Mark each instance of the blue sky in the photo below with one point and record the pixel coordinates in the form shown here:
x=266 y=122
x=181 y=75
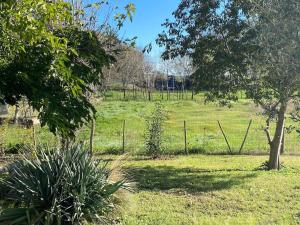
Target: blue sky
x=146 y=24
x=147 y=20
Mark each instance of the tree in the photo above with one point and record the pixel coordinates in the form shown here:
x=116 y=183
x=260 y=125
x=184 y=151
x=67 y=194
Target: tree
x=274 y=67
x=129 y=69
x=132 y=67
x=237 y=44
x=53 y=66
x=210 y=33
x=52 y=60
x=149 y=76
x=183 y=68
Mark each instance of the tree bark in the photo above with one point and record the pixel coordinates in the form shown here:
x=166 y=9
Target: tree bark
x=149 y=95
x=133 y=91
x=282 y=142
x=277 y=140
x=16 y=116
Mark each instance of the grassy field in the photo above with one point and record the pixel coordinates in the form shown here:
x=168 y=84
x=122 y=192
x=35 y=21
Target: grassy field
x=213 y=190
x=203 y=132
x=195 y=189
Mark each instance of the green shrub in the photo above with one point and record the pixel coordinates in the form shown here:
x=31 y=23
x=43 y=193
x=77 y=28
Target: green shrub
x=154 y=131
x=59 y=187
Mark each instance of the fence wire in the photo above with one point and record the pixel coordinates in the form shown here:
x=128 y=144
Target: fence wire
x=201 y=137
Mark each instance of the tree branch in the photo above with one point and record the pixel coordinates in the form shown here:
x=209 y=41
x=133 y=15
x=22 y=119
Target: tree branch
x=268 y=132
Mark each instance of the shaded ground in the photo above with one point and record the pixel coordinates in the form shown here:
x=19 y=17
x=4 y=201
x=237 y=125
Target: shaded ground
x=191 y=180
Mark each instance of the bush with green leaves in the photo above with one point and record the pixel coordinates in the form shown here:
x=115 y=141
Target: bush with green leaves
x=59 y=187
x=52 y=53
x=154 y=131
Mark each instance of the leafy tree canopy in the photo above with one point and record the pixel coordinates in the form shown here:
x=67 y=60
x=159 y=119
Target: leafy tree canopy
x=212 y=33
x=51 y=59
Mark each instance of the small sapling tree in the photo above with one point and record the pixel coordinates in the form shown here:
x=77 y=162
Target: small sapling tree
x=154 y=131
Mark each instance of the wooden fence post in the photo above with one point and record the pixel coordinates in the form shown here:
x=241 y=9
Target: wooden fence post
x=245 y=138
x=124 y=93
x=228 y=145
x=185 y=138
x=34 y=137
x=149 y=95
x=123 y=141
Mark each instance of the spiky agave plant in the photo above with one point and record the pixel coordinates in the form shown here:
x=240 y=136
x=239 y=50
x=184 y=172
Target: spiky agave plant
x=59 y=187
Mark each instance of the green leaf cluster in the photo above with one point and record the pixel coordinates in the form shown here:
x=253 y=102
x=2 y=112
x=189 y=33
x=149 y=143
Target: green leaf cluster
x=154 y=132
x=51 y=60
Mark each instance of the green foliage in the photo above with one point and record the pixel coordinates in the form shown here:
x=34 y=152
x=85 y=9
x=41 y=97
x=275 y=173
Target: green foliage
x=154 y=132
x=278 y=45
x=212 y=33
x=58 y=187
x=51 y=57
x=27 y=22
x=239 y=44
x=54 y=66
x=121 y=17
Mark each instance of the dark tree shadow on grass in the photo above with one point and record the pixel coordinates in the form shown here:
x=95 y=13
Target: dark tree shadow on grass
x=163 y=178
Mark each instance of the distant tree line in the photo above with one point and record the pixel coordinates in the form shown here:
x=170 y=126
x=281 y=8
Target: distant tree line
x=135 y=72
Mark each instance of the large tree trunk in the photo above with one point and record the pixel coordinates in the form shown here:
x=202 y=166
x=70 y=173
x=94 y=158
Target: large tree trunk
x=282 y=149
x=277 y=140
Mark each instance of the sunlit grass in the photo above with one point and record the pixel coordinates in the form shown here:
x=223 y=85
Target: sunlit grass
x=203 y=132
x=213 y=190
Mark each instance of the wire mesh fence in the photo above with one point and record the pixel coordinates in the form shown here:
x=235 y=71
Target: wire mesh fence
x=245 y=136
x=149 y=95
x=212 y=136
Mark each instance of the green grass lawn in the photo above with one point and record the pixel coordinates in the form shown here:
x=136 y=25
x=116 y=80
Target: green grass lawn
x=195 y=189
x=203 y=133
x=213 y=190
